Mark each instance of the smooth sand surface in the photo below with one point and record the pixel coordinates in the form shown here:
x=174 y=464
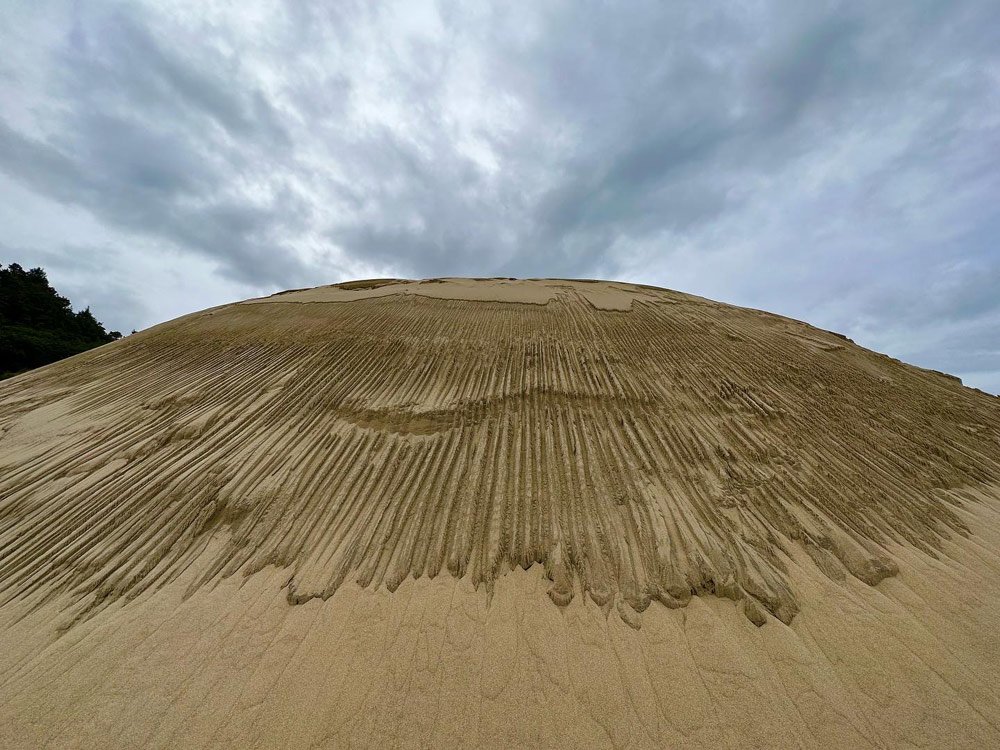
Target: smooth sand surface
x=498 y=513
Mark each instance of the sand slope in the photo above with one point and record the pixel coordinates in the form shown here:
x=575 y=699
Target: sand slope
x=496 y=512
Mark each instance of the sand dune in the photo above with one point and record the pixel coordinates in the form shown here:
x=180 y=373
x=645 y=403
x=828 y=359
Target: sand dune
x=504 y=513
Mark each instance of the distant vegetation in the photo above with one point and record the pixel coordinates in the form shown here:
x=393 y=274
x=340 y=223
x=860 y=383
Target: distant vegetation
x=38 y=325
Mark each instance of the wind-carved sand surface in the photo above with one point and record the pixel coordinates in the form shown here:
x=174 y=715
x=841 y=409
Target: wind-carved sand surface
x=496 y=513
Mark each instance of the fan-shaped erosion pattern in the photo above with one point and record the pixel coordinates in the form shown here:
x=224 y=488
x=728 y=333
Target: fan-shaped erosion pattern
x=639 y=444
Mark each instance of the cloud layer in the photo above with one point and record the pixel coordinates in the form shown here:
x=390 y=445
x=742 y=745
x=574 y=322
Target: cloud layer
x=835 y=162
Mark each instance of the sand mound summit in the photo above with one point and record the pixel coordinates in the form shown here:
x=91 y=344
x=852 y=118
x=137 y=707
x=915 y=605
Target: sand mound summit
x=544 y=450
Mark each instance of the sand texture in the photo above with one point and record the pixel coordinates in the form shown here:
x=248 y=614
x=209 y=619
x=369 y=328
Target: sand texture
x=498 y=513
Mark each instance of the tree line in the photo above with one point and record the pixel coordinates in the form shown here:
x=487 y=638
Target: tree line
x=38 y=325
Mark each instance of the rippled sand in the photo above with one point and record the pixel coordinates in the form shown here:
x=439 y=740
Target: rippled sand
x=496 y=513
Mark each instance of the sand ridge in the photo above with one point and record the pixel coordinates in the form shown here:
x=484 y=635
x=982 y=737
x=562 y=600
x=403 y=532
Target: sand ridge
x=640 y=445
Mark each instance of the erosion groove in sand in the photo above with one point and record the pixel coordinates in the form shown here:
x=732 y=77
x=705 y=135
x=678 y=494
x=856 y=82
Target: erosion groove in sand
x=640 y=444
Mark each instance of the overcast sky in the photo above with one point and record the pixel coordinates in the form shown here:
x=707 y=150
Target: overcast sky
x=835 y=162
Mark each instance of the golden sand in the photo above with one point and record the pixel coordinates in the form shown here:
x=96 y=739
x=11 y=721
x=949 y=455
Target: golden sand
x=501 y=513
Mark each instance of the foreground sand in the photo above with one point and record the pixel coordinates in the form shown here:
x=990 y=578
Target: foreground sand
x=910 y=663
x=504 y=514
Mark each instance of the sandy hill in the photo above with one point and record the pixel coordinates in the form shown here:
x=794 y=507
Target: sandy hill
x=501 y=513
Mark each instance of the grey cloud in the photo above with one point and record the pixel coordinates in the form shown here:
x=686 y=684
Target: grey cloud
x=88 y=277
x=151 y=187
x=814 y=66
x=831 y=161
x=118 y=63
x=139 y=147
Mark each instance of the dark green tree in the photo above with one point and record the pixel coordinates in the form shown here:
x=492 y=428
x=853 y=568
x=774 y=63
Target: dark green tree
x=38 y=325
